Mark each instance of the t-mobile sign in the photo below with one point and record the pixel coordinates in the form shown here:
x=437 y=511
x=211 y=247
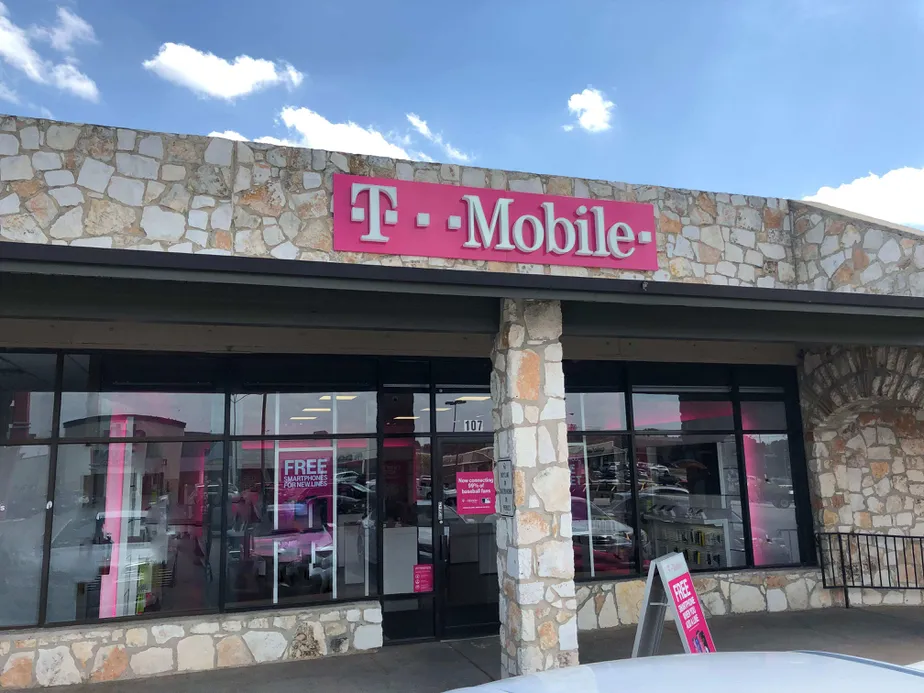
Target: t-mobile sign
x=376 y=215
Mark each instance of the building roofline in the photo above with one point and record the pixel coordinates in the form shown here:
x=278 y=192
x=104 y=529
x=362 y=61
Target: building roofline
x=910 y=230
x=25 y=258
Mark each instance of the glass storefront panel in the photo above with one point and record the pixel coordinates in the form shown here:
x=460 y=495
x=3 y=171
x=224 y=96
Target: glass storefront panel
x=774 y=529
x=141 y=414
x=407 y=527
x=301 y=517
x=763 y=416
x=689 y=499
x=136 y=529
x=681 y=412
x=603 y=517
x=596 y=411
x=463 y=412
x=27 y=386
x=303 y=413
x=23 y=493
x=406 y=413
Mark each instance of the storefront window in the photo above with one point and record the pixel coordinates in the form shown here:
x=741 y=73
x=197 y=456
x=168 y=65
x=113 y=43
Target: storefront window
x=301 y=519
x=689 y=500
x=147 y=414
x=763 y=416
x=23 y=489
x=136 y=528
x=596 y=411
x=406 y=413
x=303 y=413
x=407 y=525
x=681 y=412
x=464 y=412
x=774 y=530
x=601 y=506
x=27 y=385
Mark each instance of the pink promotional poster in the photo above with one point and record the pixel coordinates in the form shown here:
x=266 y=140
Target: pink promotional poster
x=423 y=577
x=693 y=622
x=306 y=475
x=394 y=217
x=475 y=493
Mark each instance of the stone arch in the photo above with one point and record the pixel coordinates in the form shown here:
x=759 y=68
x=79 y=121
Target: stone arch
x=840 y=381
x=863 y=409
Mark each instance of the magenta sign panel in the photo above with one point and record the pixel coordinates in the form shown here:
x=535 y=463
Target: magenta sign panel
x=693 y=623
x=475 y=493
x=423 y=577
x=393 y=217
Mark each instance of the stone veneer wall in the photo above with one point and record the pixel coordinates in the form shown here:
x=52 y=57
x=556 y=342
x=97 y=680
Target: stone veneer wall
x=839 y=252
x=863 y=411
x=609 y=604
x=86 y=185
x=535 y=557
x=128 y=650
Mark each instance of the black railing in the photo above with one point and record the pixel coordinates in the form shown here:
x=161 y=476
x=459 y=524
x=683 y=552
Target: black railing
x=870 y=561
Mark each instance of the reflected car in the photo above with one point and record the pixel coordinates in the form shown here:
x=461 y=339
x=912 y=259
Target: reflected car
x=613 y=541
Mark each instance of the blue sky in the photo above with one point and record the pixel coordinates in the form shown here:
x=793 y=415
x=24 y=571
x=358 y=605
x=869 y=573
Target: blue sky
x=771 y=97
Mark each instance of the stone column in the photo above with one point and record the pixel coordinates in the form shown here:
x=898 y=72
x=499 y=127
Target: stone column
x=534 y=553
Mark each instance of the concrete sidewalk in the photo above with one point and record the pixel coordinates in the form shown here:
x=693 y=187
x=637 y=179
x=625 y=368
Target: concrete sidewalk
x=891 y=634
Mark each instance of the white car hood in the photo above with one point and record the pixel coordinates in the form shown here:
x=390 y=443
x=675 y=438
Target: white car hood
x=732 y=672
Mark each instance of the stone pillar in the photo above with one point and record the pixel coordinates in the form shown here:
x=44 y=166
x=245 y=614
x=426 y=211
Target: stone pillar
x=534 y=554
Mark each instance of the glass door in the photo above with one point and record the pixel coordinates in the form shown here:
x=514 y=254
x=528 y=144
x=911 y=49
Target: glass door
x=465 y=523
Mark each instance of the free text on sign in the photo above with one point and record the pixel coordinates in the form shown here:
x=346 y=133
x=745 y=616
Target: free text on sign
x=377 y=215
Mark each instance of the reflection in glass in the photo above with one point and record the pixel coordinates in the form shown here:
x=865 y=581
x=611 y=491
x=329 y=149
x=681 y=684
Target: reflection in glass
x=23 y=491
x=151 y=414
x=596 y=411
x=27 y=384
x=300 y=519
x=680 y=412
x=763 y=416
x=408 y=523
x=469 y=529
x=774 y=533
x=302 y=413
x=136 y=528
x=406 y=413
x=463 y=412
x=601 y=506
x=689 y=499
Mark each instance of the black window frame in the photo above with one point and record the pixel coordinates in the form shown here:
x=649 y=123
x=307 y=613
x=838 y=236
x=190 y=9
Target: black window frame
x=228 y=374
x=718 y=382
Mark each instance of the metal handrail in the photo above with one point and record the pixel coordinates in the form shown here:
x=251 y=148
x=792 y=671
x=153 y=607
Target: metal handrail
x=858 y=560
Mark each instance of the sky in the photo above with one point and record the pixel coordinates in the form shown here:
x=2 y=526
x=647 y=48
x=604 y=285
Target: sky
x=817 y=99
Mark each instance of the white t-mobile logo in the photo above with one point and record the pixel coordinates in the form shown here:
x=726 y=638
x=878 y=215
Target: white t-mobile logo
x=374 y=235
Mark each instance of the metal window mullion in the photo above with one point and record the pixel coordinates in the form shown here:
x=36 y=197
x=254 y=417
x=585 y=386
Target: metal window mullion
x=633 y=474
x=224 y=487
x=743 y=496
x=50 y=489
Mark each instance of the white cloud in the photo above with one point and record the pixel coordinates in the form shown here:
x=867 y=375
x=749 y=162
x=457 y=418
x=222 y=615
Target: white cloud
x=229 y=135
x=895 y=196
x=7 y=94
x=316 y=131
x=421 y=126
x=592 y=109
x=312 y=130
x=208 y=75
x=69 y=30
x=16 y=51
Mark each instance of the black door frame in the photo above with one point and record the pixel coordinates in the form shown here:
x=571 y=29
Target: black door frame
x=441 y=545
